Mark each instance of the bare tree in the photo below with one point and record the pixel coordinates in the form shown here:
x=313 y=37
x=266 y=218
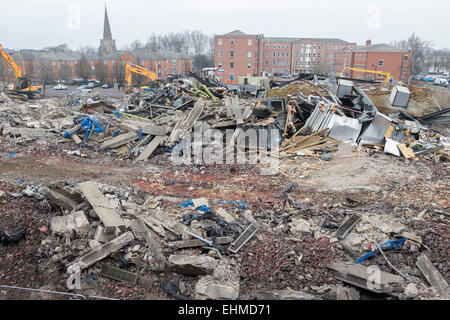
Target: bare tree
x=87 y=50
x=119 y=72
x=46 y=74
x=419 y=49
x=100 y=70
x=65 y=72
x=82 y=68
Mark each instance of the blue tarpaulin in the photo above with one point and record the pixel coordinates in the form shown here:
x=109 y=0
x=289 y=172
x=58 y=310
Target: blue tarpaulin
x=88 y=124
x=392 y=244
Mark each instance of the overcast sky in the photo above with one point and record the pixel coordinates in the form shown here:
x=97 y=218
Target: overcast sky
x=39 y=23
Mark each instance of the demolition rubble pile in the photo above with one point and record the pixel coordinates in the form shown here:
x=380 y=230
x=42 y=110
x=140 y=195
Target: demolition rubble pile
x=119 y=234
x=146 y=122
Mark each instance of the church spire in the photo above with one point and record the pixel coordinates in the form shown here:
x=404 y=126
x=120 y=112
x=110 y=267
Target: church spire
x=107 y=29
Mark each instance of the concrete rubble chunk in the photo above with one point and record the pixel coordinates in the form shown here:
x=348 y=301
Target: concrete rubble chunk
x=101 y=253
x=433 y=276
x=119 y=140
x=225 y=215
x=75 y=223
x=101 y=205
x=363 y=277
x=222 y=285
x=192 y=265
x=289 y=294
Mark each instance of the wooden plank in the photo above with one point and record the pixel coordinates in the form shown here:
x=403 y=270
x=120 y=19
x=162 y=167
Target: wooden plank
x=407 y=152
x=76 y=139
x=101 y=206
x=433 y=276
x=119 y=140
x=151 y=147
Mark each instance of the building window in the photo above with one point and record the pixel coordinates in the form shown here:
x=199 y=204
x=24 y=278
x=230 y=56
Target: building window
x=274 y=46
x=232 y=42
x=250 y=42
x=231 y=53
x=249 y=65
x=231 y=65
x=278 y=54
x=405 y=58
x=283 y=46
x=279 y=46
x=287 y=47
x=403 y=79
x=219 y=42
x=267 y=54
x=274 y=54
x=282 y=54
x=296 y=55
x=404 y=69
x=287 y=54
x=380 y=63
x=267 y=63
x=220 y=65
x=249 y=55
x=220 y=53
x=105 y=62
x=174 y=68
x=267 y=46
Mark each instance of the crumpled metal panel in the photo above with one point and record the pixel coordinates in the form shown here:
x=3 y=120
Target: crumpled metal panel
x=374 y=134
x=345 y=128
x=341 y=127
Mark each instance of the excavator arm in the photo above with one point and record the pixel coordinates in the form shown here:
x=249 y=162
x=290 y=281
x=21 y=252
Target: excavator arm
x=133 y=68
x=16 y=68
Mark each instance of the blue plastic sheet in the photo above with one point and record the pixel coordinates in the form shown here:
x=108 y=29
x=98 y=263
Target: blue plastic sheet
x=240 y=204
x=189 y=203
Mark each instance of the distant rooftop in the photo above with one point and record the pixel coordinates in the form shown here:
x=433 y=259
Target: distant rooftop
x=239 y=33
x=382 y=47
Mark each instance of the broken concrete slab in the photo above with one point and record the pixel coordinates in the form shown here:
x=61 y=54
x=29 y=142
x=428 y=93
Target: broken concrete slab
x=370 y=278
x=225 y=215
x=119 y=140
x=207 y=288
x=102 y=207
x=151 y=147
x=63 y=197
x=192 y=265
x=433 y=276
x=290 y=294
x=101 y=253
x=75 y=223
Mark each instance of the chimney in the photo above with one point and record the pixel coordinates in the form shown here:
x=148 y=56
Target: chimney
x=368 y=42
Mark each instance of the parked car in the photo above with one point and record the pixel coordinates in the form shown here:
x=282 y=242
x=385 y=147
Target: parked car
x=286 y=76
x=84 y=86
x=60 y=87
x=106 y=86
x=93 y=84
x=86 y=91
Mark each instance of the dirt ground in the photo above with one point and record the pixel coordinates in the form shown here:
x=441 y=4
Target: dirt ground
x=397 y=186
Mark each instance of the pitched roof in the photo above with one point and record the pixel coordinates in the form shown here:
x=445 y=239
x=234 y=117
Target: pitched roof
x=382 y=47
x=236 y=33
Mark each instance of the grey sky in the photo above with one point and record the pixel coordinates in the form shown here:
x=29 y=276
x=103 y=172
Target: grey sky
x=38 y=23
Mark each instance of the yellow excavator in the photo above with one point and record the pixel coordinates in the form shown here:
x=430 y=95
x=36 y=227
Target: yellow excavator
x=387 y=74
x=22 y=86
x=134 y=68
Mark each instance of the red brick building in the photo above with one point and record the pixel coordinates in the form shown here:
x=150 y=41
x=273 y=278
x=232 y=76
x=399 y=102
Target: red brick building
x=377 y=57
x=240 y=54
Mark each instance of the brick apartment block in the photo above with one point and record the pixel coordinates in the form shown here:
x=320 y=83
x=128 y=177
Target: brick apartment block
x=239 y=54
